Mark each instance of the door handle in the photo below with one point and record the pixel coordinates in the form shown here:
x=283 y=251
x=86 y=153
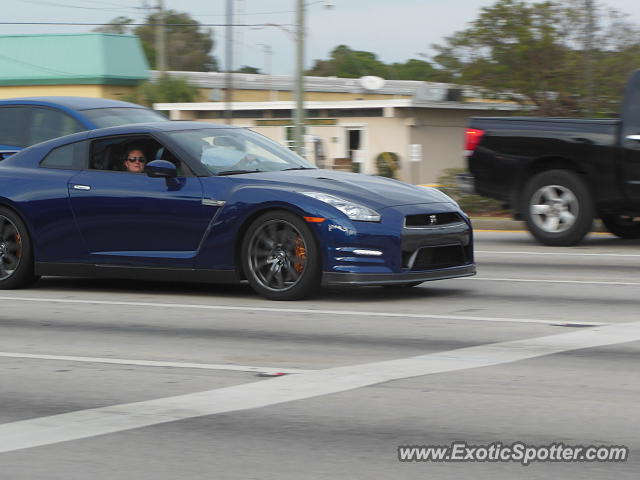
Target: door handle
x=634 y=137
x=81 y=187
x=211 y=202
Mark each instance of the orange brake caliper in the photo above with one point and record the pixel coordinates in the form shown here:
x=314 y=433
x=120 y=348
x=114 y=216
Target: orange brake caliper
x=301 y=254
x=19 y=242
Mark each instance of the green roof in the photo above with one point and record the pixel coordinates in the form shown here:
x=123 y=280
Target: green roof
x=69 y=59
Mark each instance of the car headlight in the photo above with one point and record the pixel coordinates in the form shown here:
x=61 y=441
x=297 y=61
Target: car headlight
x=353 y=210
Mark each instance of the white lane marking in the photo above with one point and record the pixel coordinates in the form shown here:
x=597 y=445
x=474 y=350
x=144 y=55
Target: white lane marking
x=533 y=280
x=563 y=254
x=295 y=310
x=152 y=363
x=99 y=421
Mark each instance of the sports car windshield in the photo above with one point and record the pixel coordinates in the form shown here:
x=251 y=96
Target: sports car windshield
x=235 y=151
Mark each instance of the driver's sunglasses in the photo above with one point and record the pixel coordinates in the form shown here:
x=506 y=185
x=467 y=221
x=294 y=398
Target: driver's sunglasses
x=137 y=159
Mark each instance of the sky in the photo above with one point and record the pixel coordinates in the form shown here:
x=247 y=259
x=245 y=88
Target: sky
x=395 y=30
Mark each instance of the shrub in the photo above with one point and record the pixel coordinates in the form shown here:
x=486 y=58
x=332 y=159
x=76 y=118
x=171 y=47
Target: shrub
x=388 y=164
x=165 y=90
x=471 y=204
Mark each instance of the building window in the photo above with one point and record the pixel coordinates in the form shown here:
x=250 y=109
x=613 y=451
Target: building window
x=356 y=112
x=209 y=114
x=248 y=114
x=282 y=114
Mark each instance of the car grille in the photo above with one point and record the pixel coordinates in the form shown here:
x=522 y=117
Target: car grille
x=428 y=258
x=431 y=220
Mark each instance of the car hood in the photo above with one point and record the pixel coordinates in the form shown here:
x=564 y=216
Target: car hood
x=375 y=192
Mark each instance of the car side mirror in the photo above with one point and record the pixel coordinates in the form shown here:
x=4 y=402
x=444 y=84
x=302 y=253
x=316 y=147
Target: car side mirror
x=161 y=169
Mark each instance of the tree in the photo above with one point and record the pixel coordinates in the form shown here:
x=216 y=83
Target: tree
x=188 y=47
x=249 y=69
x=120 y=25
x=536 y=54
x=348 y=63
x=414 y=69
x=165 y=90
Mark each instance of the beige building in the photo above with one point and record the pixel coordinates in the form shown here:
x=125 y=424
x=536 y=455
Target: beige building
x=350 y=120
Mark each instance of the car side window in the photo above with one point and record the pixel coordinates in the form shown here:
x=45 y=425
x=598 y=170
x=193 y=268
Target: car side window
x=47 y=123
x=13 y=123
x=115 y=153
x=66 y=157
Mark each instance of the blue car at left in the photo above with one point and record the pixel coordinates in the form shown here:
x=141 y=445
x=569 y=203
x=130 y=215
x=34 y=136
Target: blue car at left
x=217 y=204
x=30 y=120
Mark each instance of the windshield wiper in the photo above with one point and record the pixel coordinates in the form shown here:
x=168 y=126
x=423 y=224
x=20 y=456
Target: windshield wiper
x=298 y=168
x=236 y=172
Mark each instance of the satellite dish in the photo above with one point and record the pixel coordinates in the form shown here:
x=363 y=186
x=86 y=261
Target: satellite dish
x=371 y=83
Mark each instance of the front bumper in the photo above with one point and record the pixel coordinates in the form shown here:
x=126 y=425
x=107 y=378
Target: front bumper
x=412 y=243
x=364 y=279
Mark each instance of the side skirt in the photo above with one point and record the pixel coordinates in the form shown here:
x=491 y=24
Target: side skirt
x=136 y=273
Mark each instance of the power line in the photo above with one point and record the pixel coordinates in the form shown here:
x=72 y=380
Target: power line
x=253 y=13
x=38 y=2
x=39 y=67
x=197 y=24
x=114 y=4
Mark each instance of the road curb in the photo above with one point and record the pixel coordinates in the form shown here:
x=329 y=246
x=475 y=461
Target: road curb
x=492 y=223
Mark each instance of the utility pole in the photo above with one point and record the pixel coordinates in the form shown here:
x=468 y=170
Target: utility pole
x=237 y=44
x=228 y=94
x=299 y=90
x=267 y=68
x=161 y=41
x=590 y=26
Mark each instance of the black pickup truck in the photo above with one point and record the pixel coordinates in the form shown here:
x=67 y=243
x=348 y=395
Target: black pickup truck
x=560 y=174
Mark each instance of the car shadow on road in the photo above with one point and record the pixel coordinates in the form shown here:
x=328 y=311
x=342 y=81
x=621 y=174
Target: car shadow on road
x=240 y=292
x=592 y=240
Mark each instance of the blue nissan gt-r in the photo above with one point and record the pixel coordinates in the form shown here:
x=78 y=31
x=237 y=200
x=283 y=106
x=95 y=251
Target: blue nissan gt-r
x=218 y=204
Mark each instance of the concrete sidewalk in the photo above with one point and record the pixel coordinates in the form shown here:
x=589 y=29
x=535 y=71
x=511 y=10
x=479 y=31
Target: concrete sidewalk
x=502 y=223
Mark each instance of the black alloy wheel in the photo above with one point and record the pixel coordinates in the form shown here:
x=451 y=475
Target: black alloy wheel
x=280 y=257
x=16 y=256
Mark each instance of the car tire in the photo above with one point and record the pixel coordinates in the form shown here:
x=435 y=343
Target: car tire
x=280 y=257
x=558 y=207
x=621 y=225
x=16 y=252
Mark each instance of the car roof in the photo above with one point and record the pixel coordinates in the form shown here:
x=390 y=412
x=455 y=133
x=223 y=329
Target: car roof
x=166 y=126
x=74 y=103
x=131 y=129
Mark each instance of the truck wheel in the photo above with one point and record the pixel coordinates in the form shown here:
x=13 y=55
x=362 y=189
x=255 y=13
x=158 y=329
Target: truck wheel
x=558 y=209
x=621 y=225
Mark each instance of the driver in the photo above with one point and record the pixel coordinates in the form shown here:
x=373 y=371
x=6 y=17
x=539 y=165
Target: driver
x=134 y=161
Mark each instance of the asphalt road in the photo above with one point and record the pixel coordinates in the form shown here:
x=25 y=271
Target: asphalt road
x=135 y=380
